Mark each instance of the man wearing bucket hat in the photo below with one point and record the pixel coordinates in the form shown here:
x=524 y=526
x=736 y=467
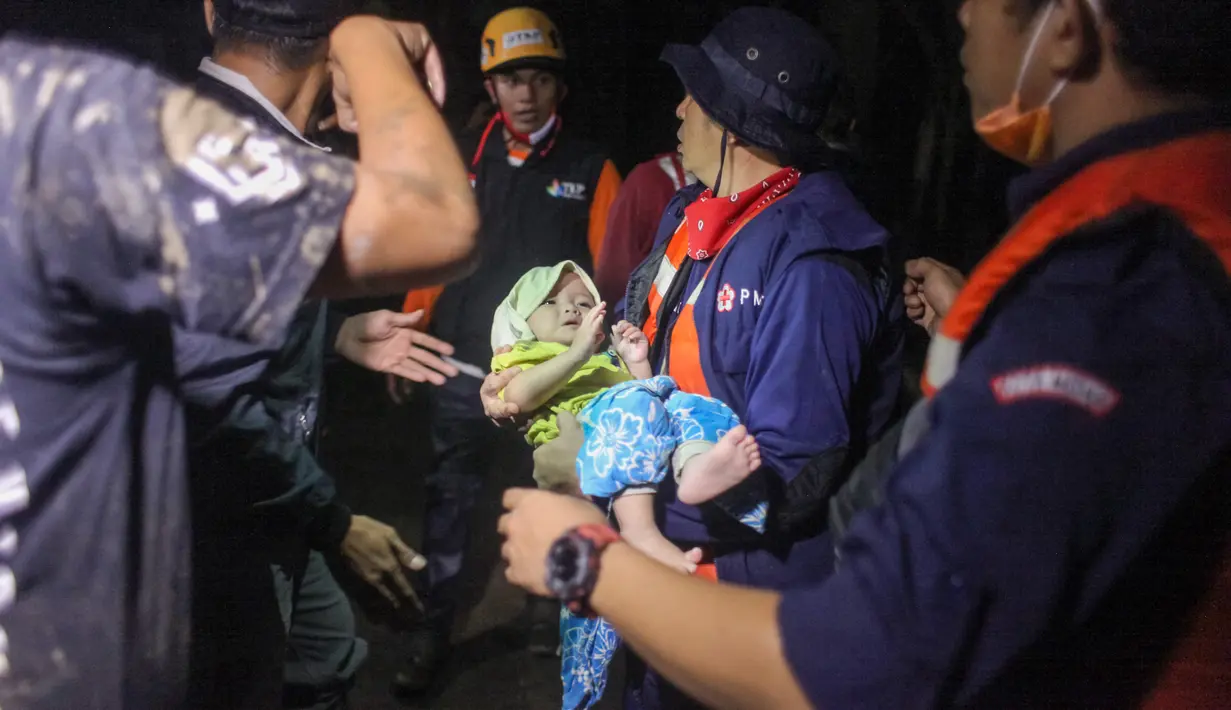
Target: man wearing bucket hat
x=544 y=195
x=774 y=269
x=1054 y=533
x=769 y=288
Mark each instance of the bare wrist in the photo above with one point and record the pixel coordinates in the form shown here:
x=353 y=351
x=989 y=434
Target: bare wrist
x=578 y=354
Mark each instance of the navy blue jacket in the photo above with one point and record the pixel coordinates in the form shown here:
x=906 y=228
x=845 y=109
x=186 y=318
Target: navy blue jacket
x=1038 y=538
x=809 y=357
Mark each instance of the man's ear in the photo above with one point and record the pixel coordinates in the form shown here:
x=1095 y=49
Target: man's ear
x=563 y=93
x=491 y=92
x=209 y=16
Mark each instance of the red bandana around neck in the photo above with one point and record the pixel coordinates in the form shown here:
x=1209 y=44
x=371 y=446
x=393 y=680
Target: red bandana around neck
x=713 y=221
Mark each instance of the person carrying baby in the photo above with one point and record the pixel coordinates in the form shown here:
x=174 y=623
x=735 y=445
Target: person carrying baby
x=638 y=429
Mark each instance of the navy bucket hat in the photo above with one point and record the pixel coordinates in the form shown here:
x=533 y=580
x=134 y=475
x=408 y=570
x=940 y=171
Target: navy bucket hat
x=765 y=75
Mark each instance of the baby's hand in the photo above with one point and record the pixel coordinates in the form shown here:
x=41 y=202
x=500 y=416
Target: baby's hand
x=589 y=334
x=630 y=343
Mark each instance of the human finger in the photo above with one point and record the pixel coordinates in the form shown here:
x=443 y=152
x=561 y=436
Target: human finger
x=567 y=423
x=920 y=269
x=403 y=585
x=387 y=593
x=434 y=70
x=428 y=342
x=404 y=320
x=430 y=360
x=514 y=497
x=406 y=555
x=409 y=370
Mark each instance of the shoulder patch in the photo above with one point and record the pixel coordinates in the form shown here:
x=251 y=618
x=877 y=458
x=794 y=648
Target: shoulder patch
x=1057 y=382
x=224 y=153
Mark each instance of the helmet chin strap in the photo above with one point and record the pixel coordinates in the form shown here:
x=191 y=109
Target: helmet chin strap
x=722 y=161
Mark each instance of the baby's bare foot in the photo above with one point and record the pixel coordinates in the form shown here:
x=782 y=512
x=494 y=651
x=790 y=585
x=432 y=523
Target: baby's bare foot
x=652 y=543
x=716 y=471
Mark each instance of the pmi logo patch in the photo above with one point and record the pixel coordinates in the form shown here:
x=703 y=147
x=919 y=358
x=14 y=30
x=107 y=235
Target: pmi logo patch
x=567 y=190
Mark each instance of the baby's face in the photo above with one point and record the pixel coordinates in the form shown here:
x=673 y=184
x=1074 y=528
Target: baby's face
x=557 y=318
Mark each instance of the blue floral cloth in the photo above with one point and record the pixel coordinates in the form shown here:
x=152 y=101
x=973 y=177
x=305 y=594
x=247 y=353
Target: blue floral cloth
x=631 y=432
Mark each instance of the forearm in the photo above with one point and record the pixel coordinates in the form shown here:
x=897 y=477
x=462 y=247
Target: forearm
x=412 y=220
x=719 y=643
x=532 y=388
x=401 y=132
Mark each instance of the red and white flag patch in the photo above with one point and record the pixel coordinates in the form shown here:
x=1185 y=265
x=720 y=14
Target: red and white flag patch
x=1057 y=382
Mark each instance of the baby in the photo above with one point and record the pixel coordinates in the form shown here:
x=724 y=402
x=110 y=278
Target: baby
x=638 y=427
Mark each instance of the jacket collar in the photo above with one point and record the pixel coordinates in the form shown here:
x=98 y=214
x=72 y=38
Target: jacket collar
x=1025 y=191
x=243 y=85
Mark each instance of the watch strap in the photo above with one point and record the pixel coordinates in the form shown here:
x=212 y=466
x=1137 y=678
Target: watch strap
x=599 y=536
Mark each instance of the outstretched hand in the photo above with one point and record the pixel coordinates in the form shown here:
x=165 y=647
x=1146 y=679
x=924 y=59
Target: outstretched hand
x=384 y=341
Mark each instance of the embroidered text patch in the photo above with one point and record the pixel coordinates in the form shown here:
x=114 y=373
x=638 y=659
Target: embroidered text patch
x=1058 y=382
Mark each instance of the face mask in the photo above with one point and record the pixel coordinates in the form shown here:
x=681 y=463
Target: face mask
x=1024 y=136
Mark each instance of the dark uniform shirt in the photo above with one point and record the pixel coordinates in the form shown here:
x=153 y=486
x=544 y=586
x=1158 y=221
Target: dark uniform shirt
x=129 y=206
x=1012 y=562
x=253 y=427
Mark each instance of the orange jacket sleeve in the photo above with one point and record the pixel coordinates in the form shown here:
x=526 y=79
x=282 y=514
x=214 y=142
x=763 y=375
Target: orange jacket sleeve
x=608 y=186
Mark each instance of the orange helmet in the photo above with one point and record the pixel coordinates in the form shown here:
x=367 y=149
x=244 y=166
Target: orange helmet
x=521 y=37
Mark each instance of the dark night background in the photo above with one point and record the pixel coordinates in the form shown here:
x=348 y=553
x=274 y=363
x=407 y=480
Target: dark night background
x=922 y=173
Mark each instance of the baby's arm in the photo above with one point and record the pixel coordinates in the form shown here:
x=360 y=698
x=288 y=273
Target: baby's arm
x=633 y=348
x=532 y=388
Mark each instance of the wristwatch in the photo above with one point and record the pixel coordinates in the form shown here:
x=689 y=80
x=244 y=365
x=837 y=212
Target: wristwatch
x=573 y=562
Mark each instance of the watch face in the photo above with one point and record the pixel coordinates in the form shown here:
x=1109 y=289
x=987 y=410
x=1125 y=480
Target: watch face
x=568 y=565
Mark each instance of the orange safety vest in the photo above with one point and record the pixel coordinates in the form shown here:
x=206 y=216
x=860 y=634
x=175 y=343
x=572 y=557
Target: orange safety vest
x=1192 y=178
x=685 y=350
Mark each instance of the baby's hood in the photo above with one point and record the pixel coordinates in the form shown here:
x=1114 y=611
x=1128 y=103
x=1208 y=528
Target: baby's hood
x=509 y=325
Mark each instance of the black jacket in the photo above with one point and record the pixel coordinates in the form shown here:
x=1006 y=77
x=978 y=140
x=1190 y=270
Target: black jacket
x=536 y=214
